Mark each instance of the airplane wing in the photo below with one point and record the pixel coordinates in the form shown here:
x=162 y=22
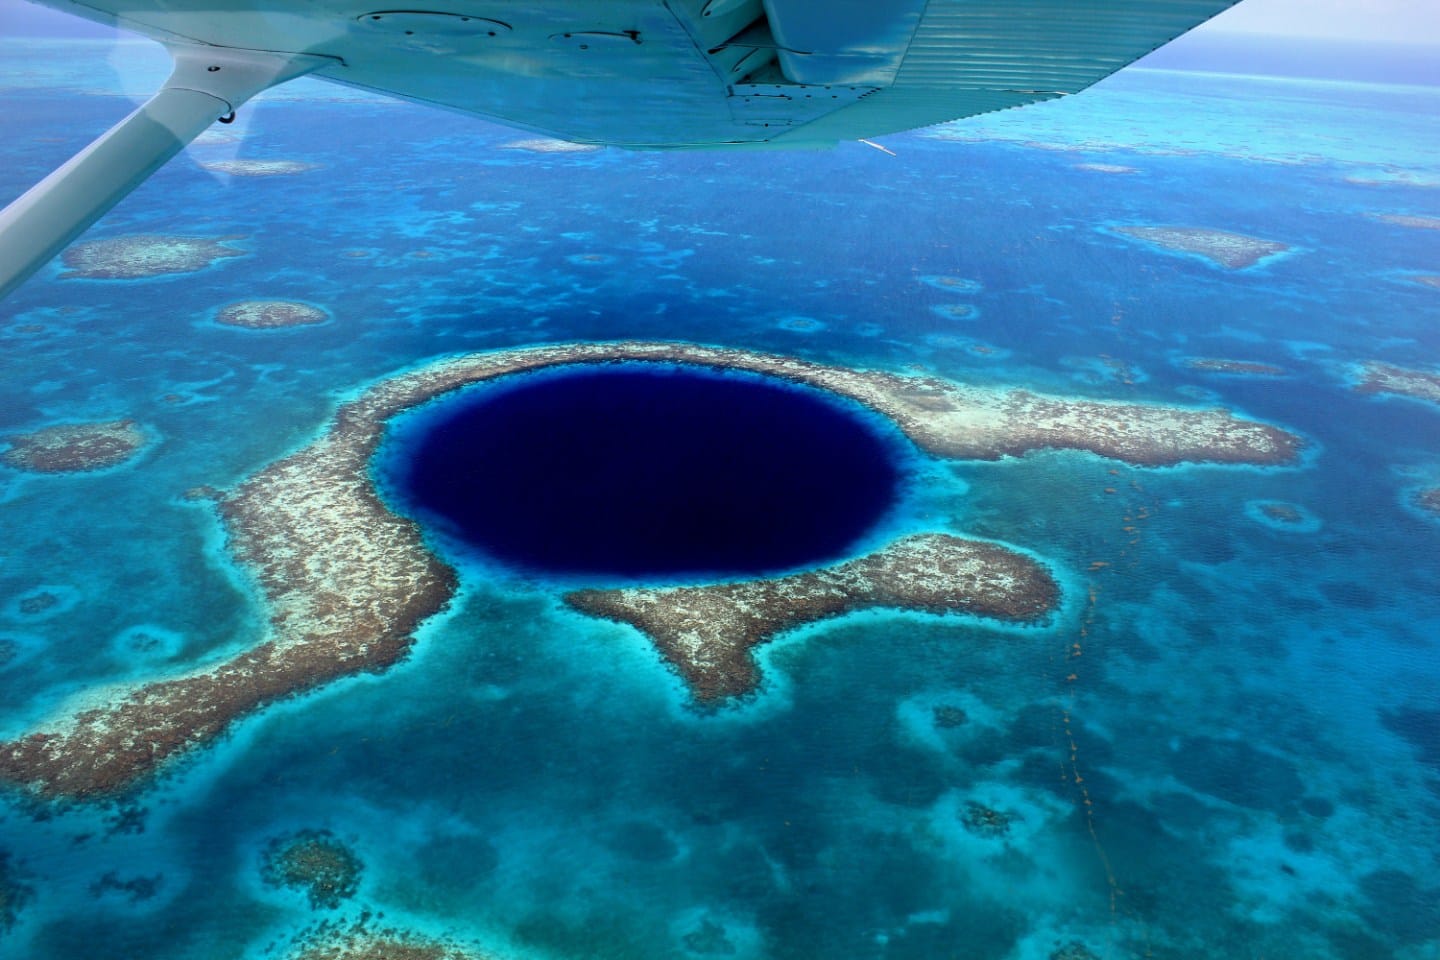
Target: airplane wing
x=648 y=74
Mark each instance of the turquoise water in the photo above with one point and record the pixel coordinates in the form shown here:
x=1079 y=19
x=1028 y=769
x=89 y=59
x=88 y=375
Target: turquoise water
x=1225 y=743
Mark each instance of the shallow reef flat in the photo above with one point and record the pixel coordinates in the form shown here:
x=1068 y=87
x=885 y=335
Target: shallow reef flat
x=269 y=314
x=74 y=447
x=1428 y=501
x=1376 y=377
x=708 y=632
x=1234 y=251
x=1106 y=168
x=1237 y=368
x=140 y=256
x=364 y=942
x=258 y=168
x=347 y=581
x=549 y=145
x=1414 y=221
x=316 y=863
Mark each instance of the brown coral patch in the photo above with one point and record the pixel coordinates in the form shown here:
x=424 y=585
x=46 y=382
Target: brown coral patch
x=1376 y=377
x=1281 y=512
x=1428 y=500
x=1234 y=251
x=368 y=941
x=1242 y=368
x=270 y=314
x=707 y=632
x=75 y=447
x=144 y=255
x=315 y=862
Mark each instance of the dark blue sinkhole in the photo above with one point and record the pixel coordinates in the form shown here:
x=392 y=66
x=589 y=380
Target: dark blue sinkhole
x=644 y=471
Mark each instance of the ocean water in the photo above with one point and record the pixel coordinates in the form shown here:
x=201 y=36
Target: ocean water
x=644 y=474
x=1226 y=742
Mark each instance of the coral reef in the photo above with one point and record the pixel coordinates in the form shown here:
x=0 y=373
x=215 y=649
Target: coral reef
x=346 y=581
x=136 y=889
x=34 y=604
x=549 y=145
x=948 y=717
x=316 y=862
x=1377 y=377
x=707 y=632
x=363 y=941
x=1234 y=251
x=74 y=447
x=270 y=314
x=15 y=893
x=1244 y=368
x=258 y=168
x=1409 y=220
x=144 y=255
x=985 y=821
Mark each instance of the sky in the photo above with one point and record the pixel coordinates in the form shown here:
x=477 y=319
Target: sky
x=1371 y=21
x=1367 y=21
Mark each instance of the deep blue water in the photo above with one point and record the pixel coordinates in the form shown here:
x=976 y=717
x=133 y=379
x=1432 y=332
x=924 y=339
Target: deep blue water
x=640 y=473
x=1223 y=745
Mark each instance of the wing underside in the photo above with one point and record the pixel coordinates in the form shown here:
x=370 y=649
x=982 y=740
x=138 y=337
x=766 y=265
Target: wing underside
x=634 y=73
x=699 y=73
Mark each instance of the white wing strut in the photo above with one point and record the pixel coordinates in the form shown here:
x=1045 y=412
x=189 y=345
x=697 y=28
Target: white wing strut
x=208 y=83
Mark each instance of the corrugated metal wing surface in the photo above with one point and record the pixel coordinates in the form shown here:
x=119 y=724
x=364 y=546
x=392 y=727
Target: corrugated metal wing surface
x=975 y=56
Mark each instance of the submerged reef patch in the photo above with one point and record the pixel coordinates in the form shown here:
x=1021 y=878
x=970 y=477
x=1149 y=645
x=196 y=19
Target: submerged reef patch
x=1376 y=377
x=986 y=822
x=1413 y=221
x=798 y=324
x=359 y=942
x=270 y=314
x=15 y=893
x=707 y=632
x=1282 y=515
x=258 y=168
x=347 y=582
x=1233 y=251
x=144 y=255
x=1427 y=500
x=956 y=311
x=549 y=145
x=316 y=863
x=1235 y=368
x=74 y=447
x=136 y=889
x=952 y=284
